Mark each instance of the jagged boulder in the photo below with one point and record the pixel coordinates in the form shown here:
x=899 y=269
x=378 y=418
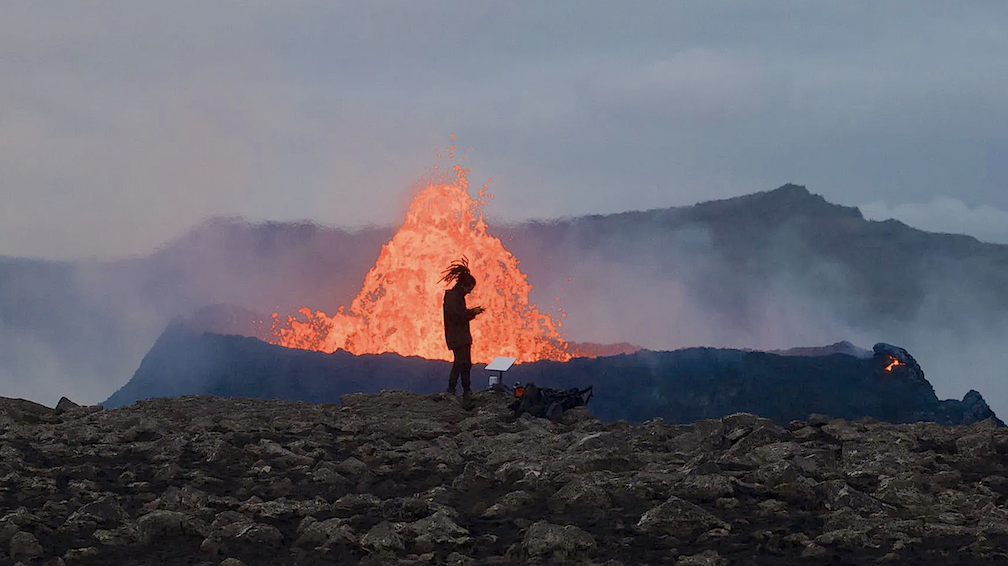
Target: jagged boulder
x=436 y=531
x=559 y=543
x=383 y=538
x=313 y=533
x=24 y=545
x=679 y=519
x=65 y=404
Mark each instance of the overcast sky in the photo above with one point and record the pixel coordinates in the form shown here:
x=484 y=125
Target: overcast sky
x=122 y=125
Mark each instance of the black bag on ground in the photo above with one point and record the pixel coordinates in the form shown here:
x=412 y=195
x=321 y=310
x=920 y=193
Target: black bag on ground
x=546 y=402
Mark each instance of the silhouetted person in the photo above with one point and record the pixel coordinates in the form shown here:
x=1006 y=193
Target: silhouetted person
x=456 y=322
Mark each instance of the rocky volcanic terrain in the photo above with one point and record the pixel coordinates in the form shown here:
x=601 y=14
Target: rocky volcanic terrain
x=401 y=478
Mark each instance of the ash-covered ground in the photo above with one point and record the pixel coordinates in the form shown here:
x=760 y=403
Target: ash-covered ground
x=401 y=478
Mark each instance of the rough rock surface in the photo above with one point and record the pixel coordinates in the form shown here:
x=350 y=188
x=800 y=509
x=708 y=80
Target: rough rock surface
x=401 y=478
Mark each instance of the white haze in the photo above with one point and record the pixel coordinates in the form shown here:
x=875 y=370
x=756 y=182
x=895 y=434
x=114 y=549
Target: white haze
x=659 y=308
x=948 y=215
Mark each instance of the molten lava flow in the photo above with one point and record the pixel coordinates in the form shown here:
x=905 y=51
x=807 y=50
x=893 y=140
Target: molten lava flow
x=399 y=307
x=893 y=362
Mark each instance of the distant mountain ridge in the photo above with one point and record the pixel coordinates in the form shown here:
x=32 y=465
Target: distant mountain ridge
x=769 y=270
x=842 y=347
x=751 y=232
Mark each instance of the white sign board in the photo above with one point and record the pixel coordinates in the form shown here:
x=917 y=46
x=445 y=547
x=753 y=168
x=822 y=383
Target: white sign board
x=501 y=363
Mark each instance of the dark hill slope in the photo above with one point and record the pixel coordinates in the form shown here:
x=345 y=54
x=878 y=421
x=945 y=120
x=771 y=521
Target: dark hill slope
x=680 y=386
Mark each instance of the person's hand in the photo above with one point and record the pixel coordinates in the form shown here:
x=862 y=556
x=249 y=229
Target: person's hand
x=478 y=310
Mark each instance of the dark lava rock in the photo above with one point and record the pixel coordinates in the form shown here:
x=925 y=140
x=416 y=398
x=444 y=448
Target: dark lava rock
x=65 y=404
x=407 y=479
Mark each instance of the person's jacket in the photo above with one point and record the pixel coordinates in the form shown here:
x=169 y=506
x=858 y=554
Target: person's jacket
x=456 y=318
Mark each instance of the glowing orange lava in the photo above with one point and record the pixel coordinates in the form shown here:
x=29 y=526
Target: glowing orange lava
x=399 y=307
x=893 y=362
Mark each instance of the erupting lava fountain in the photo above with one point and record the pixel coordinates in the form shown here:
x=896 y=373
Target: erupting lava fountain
x=399 y=306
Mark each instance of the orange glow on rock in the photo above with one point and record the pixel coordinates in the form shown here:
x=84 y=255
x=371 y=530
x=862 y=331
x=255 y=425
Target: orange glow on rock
x=893 y=362
x=399 y=307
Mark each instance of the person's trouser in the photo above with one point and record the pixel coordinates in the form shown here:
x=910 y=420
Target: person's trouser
x=461 y=367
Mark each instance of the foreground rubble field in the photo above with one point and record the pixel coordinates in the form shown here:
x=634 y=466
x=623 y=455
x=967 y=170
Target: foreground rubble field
x=399 y=478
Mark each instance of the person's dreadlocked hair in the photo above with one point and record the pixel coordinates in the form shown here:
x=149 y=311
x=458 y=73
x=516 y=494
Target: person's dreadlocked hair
x=458 y=273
